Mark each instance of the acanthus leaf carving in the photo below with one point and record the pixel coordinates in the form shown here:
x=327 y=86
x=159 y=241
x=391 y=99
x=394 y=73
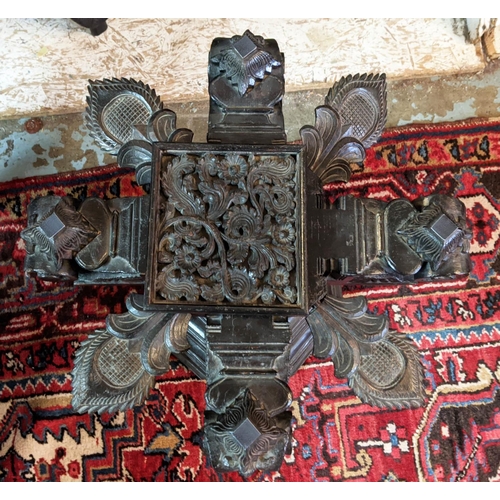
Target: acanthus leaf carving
x=115 y=106
x=245 y=62
x=361 y=101
x=381 y=366
x=328 y=153
x=228 y=227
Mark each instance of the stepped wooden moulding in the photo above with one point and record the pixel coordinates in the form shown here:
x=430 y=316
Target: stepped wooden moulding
x=241 y=255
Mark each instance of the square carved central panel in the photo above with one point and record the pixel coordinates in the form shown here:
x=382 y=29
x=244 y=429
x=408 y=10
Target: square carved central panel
x=227 y=230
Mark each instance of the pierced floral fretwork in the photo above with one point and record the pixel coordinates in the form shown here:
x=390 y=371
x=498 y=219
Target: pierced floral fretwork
x=227 y=229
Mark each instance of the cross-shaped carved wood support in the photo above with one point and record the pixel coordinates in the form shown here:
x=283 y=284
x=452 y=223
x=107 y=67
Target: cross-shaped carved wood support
x=241 y=255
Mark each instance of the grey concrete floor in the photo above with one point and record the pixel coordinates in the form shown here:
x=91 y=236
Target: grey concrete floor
x=64 y=144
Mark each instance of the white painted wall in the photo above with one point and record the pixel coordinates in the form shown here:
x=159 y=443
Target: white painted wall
x=46 y=62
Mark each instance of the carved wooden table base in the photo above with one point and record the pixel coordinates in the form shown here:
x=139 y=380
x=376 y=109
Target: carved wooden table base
x=241 y=255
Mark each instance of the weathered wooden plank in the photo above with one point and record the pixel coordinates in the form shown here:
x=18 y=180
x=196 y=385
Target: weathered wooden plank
x=492 y=42
x=46 y=62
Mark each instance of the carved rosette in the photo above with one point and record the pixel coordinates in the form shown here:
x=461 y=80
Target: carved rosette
x=228 y=230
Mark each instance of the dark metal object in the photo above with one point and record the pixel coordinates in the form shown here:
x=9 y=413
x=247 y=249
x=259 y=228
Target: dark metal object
x=241 y=255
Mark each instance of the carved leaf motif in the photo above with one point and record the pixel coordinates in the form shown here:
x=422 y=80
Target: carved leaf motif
x=329 y=126
x=176 y=332
x=267 y=449
x=416 y=232
x=215 y=195
x=114 y=107
x=174 y=288
x=288 y=295
x=383 y=368
x=213 y=293
x=115 y=368
x=312 y=144
x=182 y=135
x=60 y=233
x=361 y=102
x=126 y=325
x=345 y=359
x=267 y=295
x=324 y=334
x=122 y=110
x=277 y=200
x=327 y=153
x=351 y=151
x=161 y=125
x=172 y=183
x=243 y=70
x=107 y=377
x=243 y=220
x=258 y=261
x=284 y=256
x=271 y=171
x=135 y=154
x=391 y=375
x=237 y=253
x=363 y=327
x=36 y=238
x=242 y=224
x=210 y=269
x=241 y=285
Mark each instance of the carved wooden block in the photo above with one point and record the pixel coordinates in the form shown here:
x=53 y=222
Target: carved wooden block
x=227 y=230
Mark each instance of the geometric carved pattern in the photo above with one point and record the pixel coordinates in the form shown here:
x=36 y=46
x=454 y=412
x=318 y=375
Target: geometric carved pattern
x=115 y=106
x=246 y=437
x=246 y=62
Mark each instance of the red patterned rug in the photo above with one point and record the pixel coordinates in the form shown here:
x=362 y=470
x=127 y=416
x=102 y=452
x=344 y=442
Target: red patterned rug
x=455 y=324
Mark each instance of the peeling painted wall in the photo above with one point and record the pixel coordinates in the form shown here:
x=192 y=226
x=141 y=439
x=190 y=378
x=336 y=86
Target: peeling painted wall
x=46 y=62
x=63 y=144
x=444 y=99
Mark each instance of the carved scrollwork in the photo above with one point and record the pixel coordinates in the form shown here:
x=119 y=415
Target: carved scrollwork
x=382 y=367
x=116 y=368
x=227 y=229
